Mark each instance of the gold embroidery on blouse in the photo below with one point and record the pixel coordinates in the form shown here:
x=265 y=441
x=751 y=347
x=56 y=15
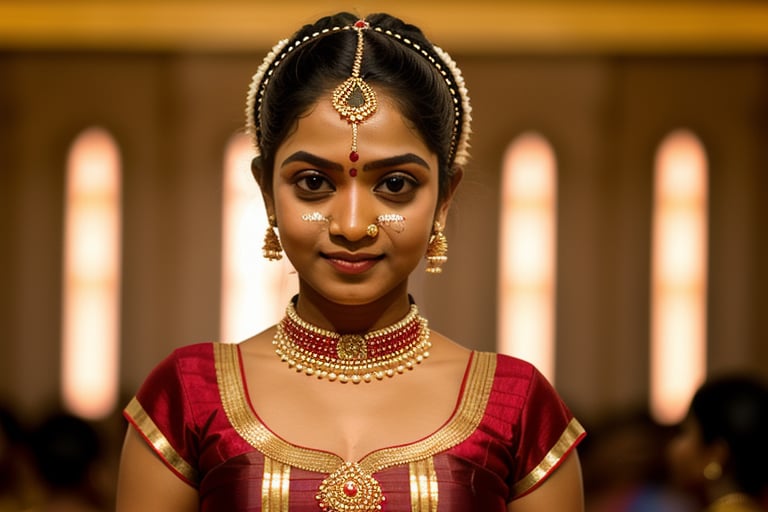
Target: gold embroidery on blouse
x=423 y=485
x=153 y=434
x=568 y=437
x=461 y=425
x=275 y=486
x=248 y=426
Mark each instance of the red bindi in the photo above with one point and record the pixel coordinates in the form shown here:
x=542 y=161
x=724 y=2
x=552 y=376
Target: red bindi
x=353 y=172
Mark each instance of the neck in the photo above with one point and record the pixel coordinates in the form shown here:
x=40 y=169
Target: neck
x=352 y=318
x=355 y=357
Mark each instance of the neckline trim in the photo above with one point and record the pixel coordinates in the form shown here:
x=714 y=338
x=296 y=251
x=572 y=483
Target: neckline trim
x=462 y=423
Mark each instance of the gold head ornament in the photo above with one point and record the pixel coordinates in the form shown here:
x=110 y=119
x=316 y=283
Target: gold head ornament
x=354 y=99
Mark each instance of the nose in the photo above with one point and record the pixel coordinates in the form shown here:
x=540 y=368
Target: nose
x=352 y=212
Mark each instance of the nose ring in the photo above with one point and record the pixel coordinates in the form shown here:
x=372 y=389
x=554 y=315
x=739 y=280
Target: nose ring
x=393 y=220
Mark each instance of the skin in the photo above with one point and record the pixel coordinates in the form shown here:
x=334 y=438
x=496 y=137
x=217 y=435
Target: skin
x=397 y=174
x=348 y=282
x=689 y=455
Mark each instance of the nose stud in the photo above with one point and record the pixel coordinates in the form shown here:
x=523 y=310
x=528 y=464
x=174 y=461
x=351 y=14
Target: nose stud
x=393 y=220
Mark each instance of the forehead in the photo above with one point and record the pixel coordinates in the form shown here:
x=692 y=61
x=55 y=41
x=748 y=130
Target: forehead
x=322 y=131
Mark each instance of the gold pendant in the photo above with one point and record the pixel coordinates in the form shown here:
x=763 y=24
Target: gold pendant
x=352 y=346
x=350 y=489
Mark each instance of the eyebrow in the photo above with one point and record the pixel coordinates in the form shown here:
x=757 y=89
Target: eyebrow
x=314 y=160
x=323 y=163
x=394 y=161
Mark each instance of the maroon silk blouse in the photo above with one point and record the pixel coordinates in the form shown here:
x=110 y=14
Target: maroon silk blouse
x=508 y=432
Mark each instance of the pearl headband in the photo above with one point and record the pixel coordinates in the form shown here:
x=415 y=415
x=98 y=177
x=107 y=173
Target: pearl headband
x=442 y=62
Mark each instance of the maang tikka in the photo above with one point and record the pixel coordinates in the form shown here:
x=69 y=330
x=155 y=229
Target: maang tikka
x=354 y=99
x=442 y=62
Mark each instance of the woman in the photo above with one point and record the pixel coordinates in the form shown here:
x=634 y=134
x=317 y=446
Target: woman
x=719 y=455
x=351 y=403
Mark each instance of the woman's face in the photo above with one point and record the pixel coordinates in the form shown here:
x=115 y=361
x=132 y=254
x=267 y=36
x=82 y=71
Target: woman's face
x=688 y=454
x=396 y=175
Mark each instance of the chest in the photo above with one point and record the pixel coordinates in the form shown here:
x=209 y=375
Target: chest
x=444 y=464
x=352 y=420
x=441 y=483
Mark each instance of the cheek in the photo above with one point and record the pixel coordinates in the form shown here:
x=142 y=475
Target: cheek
x=298 y=231
x=413 y=244
x=679 y=449
x=294 y=231
x=418 y=228
x=288 y=208
x=683 y=458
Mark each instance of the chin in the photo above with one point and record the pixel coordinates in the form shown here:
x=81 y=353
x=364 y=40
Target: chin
x=357 y=294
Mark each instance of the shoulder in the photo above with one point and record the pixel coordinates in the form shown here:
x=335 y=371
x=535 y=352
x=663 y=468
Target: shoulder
x=187 y=367
x=511 y=371
x=180 y=391
x=188 y=358
x=194 y=351
x=538 y=428
x=517 y=385
x=511 y=364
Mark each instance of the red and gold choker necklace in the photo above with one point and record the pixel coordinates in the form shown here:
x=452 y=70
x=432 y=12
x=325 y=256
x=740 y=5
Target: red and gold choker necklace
x=353 y=358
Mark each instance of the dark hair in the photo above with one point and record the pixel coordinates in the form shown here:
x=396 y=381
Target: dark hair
x=65 y=448
x=393 y=66
x=734 y=410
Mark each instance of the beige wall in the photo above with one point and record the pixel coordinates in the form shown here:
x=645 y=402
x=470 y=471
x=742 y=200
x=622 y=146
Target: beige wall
x=173 y=113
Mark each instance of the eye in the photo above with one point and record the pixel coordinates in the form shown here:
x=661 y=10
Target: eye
x=398 y=186
x=313 y=182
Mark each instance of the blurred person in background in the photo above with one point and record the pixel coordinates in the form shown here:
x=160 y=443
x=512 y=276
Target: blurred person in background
x=720 y=453
x=625 y=467
x=66 y=451
x=15 y=473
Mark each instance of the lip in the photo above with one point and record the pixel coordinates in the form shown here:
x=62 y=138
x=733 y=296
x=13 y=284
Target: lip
x=352 y=263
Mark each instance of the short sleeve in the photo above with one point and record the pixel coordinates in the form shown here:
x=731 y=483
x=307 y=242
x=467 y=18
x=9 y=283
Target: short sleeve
x=546 y=433
x=163 y=413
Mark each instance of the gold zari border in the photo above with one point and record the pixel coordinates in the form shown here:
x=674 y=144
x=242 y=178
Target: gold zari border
x=466 y=419
x=561 y=447
x=424 y=490
x=149 y=429
x=275 y=486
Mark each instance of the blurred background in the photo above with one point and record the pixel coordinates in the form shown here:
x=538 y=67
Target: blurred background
x=610 y=226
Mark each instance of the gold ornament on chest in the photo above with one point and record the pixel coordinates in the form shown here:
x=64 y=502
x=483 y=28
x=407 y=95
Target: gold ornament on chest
x=350 y=489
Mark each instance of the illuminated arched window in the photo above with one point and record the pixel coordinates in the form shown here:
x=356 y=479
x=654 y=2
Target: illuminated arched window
x=679 y=276
x=91 y=288
x=527 y=253
x=254 y=291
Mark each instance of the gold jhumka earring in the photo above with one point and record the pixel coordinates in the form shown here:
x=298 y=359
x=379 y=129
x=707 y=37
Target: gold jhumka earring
x=272 y=250
x=437 y=250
